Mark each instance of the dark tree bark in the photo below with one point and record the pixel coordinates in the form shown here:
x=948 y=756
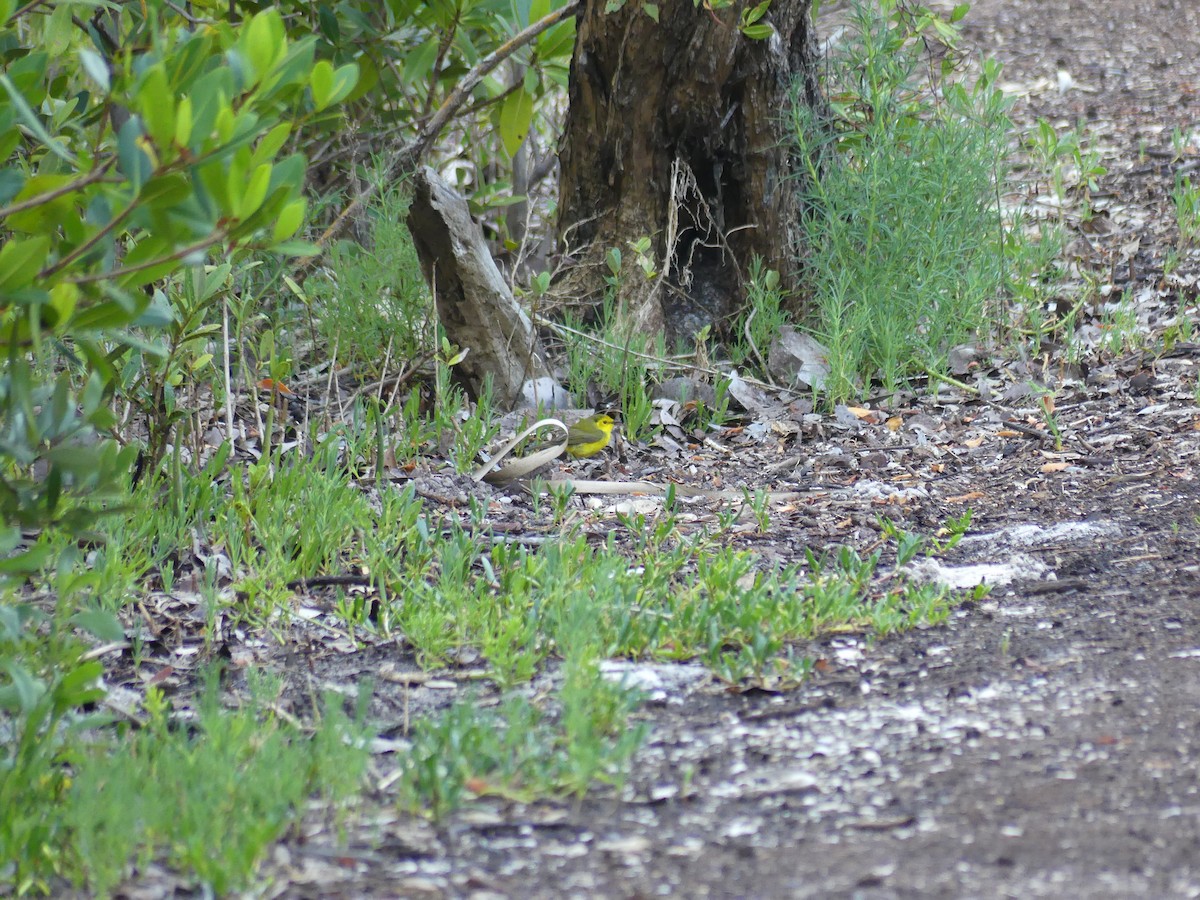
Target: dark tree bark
x=676 y=131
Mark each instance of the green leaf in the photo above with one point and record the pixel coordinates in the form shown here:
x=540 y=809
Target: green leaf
x=270 y=144
x=73 y=459
x=290 y=172
x=63 y=298
x=158 y=314
x=329 y=86
x=183 y=121
x=516 y=116
x=263 y=42
x=947 y=32
x=24 y=692
x=49 y=215
x=297 y=248
x=328 y=23
x=11 y=182
x=154 y=348
x=104 y=316
x=99 y=624
x=255 y=191
x=96 y=68
x=321 y=83
x=133 y=157
x=214 y=180
x=148 y=250
x=13 y=619
x=57 y=34
x=210 y=96
x=21 y=260
x=224 y=125
x=9 y=138
x=33 y=123
x=292 y=73
x=368 y=78
x=79 y=687
x=25 y=562
x=215 y=279
x=167 y=190
x=750 y=16
x=157 y=106
x=419 y=63
x=289 y=220
x=92 y=394
x=558 y=43
x=235 y=180
x=344 y=80
x=758 y=32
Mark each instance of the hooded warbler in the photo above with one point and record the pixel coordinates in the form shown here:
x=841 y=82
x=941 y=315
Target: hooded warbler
x=589 y=436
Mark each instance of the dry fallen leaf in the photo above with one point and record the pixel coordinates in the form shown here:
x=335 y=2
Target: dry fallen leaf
x=270 y=384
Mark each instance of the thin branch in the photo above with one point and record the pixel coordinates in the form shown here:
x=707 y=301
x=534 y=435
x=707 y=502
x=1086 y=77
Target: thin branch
x=443 y=48
x=410 y=154
x=32 y=5
x=191 y=20
x=90 y=243
x=491 y=101
x=459 y=95
x=151 y=263
x=227 y=370
x=30 y=202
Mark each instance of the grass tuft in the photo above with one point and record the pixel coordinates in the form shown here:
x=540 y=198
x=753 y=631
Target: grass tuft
x=904 y=248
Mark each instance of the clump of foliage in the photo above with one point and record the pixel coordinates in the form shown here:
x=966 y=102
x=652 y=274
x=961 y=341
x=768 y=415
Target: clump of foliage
x=904 y=241
x=119 y=167
x=374 y=306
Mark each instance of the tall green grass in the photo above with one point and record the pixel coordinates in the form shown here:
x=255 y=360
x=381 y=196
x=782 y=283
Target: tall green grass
x=903 y=240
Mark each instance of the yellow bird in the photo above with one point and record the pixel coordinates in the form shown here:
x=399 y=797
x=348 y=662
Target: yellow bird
x=589 y=436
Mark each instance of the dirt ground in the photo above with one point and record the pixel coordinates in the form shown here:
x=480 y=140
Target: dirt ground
x=1044 y=743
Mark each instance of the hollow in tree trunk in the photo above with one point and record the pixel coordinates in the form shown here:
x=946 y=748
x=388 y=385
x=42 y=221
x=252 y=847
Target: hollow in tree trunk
x=677 y=133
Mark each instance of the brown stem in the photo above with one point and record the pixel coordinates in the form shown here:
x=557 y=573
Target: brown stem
x=30 y=202
x=91 y=242
x=32 y=5
x=410 y=154
x=151 y=263
x=443 y=49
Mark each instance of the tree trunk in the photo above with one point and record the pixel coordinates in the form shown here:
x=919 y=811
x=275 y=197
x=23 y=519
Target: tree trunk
x=677 y=132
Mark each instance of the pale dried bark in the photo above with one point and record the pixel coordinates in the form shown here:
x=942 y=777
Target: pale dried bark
x=474 y=303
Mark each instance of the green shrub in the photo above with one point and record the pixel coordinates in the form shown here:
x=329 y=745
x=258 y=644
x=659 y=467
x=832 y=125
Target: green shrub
x=903 y=241
x=374 y=307
x=132 y=162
